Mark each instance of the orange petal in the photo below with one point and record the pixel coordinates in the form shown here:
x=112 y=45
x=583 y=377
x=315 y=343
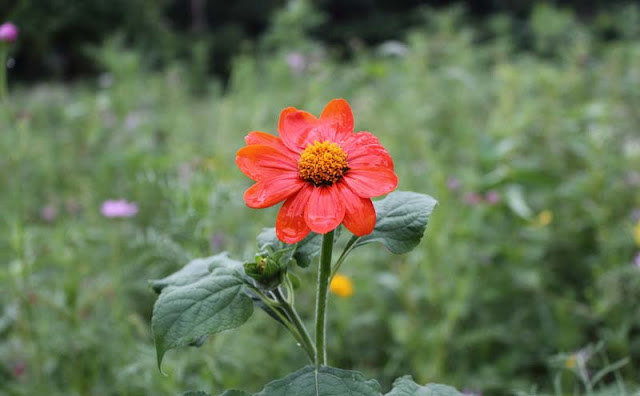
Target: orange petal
x=267 y=139
x=325 y=209
x=294 y=127
x=261 y=162
x=371 y=182
x=258 y=137
x=337 y=114
x=269 y=192
x=359 y=140
x=360 y=215
x=371 y=156
x=290 y=224
x=365 y=150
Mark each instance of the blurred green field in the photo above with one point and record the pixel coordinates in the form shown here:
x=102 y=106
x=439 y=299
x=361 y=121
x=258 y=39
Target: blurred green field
x=525 y=283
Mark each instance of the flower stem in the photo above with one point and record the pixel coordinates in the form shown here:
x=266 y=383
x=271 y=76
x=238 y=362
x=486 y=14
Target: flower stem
x=292 y=313
x=4 y=96
x=293 y=328
x=324 y=270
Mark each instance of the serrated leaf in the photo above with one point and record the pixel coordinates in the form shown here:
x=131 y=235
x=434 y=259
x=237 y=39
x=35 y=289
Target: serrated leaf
x=327 y=381
x=196 y=393
x=405 y=386
x=401 y=219
x=184 y=314
x=190 y=273
x=234 y=392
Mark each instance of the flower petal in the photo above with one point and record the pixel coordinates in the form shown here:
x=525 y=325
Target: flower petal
x=360 y=215
x=370 y=156
x=368 y=182
x=295 y=126
x=325 y=209
x=364 y=144
x=267 y=193
x=338 y=117
x=267 y=139
x=261 y=162
x=290 y=224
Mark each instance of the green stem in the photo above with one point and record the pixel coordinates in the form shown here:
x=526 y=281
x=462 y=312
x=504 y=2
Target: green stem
x=4 y=96
x=324 y=271
x=292 y=313
x=275 y=306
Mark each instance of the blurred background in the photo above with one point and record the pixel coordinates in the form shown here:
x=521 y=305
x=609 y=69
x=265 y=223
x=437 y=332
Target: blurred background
x=117 y=148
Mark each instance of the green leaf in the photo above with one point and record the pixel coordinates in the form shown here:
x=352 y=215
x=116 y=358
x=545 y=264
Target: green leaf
x=517 y=203
x=190 y=273
x=401 y=219
x=234 y=392
x=327 y=381
x=196 y=393
x=404 y=386
x=185 y=313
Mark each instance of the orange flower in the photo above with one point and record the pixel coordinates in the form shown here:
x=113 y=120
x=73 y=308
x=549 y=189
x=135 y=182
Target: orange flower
x=324 y=172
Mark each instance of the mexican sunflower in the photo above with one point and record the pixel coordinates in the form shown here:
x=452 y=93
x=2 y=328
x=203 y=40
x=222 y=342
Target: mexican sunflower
x=324 y=172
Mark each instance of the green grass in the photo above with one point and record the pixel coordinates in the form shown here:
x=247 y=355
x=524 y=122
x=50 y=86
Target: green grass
x=490 y=300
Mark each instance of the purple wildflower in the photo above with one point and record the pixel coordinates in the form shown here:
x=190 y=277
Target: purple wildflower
x=119 y=208
x=453 y=183
x=19 y=368
x=636 y=261
x=297 y=62
x=217 y=241
x=492 y=197
x=49 y=213
x=8 y=32
x=473 y=198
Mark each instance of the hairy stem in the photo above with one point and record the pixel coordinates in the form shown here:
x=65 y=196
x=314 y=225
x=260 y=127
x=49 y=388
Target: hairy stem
x=292 y=313
x=324 y=271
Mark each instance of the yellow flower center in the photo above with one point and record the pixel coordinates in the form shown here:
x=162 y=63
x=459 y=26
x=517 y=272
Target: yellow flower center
x=322 y=163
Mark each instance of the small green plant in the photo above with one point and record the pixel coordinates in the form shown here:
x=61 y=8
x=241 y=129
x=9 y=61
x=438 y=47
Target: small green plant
x=326 y=175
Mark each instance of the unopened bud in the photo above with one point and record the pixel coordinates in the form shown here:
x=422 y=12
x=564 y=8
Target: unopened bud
x=266 y=271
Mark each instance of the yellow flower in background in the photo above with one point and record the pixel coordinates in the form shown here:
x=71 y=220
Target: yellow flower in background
x=341 y=285
x=636 y=233
x=543 y=219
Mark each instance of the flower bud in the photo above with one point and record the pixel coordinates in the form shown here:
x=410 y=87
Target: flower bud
x=266 y=270
x=8 y=32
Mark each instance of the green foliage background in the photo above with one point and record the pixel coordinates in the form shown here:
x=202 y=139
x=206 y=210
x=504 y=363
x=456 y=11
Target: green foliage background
x=492 y=300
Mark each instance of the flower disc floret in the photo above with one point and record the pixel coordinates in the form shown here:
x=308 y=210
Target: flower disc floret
x=322 y=163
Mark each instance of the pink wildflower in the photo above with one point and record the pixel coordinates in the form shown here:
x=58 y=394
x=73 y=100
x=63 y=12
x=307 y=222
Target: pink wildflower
x=119 y=208
x=8 y=32
x=19 y=368
x=473 y=198
x=453 y=183
x=492 y=197
x=49 y=213
x=297 y=62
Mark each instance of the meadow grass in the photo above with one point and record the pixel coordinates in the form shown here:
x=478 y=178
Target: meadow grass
x=524 y=283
